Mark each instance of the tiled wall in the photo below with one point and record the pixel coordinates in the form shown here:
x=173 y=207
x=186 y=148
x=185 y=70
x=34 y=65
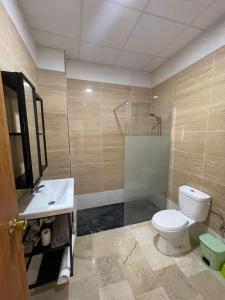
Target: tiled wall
x=198 y=151
x=14 y=55
x=96 y=136
x=52 y=88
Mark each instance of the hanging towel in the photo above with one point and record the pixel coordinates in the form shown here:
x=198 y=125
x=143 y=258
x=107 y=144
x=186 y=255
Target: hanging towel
x=64 y=273
x=60 y=231
x=33 y=269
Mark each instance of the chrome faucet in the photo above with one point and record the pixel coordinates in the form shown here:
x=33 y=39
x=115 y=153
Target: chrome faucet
x=36 y=189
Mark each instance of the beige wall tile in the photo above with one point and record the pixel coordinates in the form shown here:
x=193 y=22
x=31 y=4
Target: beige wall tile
x=140 y=92
x=188 y=162
x=190 y=141
x=214 y=169
x=218 y=90
x=51 y=81
x=195 y=97
x=85 y=156
x=215 y=143
x=87 y=171
x=84 y=123
x=115 y=92
x=84 y=186
x=113 y=183
x=113 y=169
x=197 y=73
x=57 y=173
x=217 y=193
x=54 y=102
x=181 y=178
x=77 y=88
x=112 y=125
x=217 y=117
x=164 y=89
x=108 y=107
x=56 y=122
x=113 y=154
x=219 y=65
x=113 y=140
x=193 y=120
x=58 y=159
x=85 y=140
x=57 y=141
x=83 y=107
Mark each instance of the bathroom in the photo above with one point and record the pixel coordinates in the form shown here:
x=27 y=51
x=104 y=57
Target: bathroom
x=112 y=138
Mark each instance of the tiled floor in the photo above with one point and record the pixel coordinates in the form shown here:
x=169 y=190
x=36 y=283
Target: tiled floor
x=123 y=264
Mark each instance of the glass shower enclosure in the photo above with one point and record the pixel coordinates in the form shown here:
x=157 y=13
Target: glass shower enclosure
x=146 y=167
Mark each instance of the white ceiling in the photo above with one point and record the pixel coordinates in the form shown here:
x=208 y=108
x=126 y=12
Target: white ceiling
x=136 y=34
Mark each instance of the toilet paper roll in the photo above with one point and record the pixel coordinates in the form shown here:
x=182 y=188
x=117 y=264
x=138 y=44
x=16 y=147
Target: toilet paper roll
x=46 y=237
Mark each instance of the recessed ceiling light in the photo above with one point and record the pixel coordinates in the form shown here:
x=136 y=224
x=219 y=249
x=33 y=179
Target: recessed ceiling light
x=155 y=97
x=89 y=91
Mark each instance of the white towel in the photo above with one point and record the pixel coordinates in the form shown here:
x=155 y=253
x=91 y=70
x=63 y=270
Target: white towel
x=33 y=270
x=64 y=273
x=60 y=231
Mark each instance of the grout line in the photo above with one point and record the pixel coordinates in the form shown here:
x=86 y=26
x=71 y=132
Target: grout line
x=207 y=124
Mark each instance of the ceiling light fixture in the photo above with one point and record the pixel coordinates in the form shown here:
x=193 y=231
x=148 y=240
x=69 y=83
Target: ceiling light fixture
x=155 y=97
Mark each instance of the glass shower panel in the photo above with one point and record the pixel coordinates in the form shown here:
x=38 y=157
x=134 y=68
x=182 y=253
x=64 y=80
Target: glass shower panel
x=146 y=177
x=147 y=152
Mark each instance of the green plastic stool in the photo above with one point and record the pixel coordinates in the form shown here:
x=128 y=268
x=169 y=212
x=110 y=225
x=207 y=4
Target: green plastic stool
x=212 y=251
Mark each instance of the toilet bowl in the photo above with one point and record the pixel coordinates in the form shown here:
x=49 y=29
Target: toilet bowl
x=173 y=228
x=173 y=225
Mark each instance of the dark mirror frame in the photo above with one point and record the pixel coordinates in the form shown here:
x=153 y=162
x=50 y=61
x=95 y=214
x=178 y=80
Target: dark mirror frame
x=39 y=100
x=14 y=81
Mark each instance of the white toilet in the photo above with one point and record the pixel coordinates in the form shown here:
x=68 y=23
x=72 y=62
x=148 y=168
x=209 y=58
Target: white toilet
x=173 y=225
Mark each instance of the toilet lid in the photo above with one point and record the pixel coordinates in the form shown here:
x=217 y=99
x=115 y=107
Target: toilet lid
x=170 y=219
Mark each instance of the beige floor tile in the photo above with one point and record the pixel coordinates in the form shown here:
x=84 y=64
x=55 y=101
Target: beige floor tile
x=137 y=225
x=190 y=264
x=175 y=283
x=155 y=259
x=85 y=289
x=199 y=297
x=112 y=241
x=50 y=291
x=208 y=286
x=156 y=294
x=117 y=291
x=144 y=234
x=84 y=247
x=83 y=268
x=109 y=269
x=138 y=272
x=218 y=276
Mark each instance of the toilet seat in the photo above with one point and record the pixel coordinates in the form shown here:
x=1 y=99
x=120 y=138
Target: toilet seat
x=170 y=220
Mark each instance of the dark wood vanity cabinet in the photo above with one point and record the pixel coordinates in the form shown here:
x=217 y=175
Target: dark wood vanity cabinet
x=26 y=129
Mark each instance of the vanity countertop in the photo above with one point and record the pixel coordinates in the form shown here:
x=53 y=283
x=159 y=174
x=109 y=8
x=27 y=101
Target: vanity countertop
x=56 y=197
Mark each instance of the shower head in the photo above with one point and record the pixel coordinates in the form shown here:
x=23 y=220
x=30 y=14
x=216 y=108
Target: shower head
x=158 y=119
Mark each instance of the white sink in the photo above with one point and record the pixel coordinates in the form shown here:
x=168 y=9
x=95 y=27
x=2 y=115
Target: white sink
x=55 y=198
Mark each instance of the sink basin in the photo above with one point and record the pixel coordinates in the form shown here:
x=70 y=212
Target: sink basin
x=55 y=198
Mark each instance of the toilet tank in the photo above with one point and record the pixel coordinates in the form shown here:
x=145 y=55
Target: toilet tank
x=194 y=203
